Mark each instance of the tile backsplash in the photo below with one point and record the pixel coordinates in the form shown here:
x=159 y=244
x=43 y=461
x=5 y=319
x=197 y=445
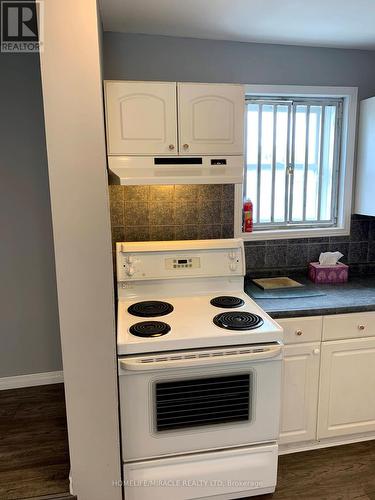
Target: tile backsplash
x=180 y=212
x=277 y=257
x=183 y=212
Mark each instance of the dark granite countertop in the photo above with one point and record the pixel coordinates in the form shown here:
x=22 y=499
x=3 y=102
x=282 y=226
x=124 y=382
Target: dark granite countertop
x=355 y=296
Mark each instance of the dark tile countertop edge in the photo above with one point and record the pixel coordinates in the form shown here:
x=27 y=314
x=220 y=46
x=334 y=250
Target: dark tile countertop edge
x=358 y=295
x=298 y=313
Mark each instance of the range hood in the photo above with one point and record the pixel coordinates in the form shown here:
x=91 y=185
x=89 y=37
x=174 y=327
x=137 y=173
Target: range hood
x=136 y=170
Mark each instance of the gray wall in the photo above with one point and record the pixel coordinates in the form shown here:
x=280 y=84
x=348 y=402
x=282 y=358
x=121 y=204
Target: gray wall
x=144 y=57
x=30 y=341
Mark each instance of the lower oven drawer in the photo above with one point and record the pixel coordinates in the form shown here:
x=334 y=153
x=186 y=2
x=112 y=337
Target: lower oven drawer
x=232 y=473
x=177 y=406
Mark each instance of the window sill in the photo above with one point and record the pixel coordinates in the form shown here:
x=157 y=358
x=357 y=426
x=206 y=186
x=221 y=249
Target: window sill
x=286 y=234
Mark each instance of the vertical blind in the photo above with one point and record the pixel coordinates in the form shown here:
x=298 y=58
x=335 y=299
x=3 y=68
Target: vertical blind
x=292 y=161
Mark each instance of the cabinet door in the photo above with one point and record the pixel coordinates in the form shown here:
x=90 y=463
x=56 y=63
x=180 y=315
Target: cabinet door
x=299 y=395
x=211 y=118
x=347 y=388
x=141 y=118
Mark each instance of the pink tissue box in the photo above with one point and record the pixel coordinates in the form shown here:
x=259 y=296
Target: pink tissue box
x=328 y=274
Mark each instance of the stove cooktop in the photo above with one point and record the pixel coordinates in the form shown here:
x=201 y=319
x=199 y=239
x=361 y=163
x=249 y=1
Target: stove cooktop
x=193 y=322
x=150 y=329
x=239 y=320
x=227 y=301
x=150 y=308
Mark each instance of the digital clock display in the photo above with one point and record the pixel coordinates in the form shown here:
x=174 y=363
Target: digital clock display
x=176 y=263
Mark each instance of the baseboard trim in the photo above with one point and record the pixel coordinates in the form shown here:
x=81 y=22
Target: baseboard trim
x=61 y=496
x=31 y=380
x=324 y=443
x=57 y=496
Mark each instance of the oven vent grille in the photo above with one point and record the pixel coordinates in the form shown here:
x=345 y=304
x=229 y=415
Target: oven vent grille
x=202 y=401
x=200 y=355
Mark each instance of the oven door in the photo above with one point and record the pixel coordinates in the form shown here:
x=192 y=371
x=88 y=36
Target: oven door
x=191 y=401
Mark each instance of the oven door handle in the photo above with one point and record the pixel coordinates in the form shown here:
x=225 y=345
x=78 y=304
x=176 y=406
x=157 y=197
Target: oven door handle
x=189 y=360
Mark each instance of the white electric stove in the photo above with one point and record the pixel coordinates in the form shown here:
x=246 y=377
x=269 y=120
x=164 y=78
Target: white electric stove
x=199 y=373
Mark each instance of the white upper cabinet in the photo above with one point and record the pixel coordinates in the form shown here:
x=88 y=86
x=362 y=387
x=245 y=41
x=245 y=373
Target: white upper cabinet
x=165 y=118
x=211 y=118
x=364 y=198
x=141 y=118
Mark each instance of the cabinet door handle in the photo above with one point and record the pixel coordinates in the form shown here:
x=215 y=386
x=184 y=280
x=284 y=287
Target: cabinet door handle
x=186 y=146
x=299 y=332
x=316 y=351
x=361 y=327
x=171 y=147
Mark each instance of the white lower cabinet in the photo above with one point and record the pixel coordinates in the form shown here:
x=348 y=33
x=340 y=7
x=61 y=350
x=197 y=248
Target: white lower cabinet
x=300 y=384
x=328 y=384
x=347 y=388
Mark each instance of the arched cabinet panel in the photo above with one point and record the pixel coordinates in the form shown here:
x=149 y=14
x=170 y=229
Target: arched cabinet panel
x=141 y=118
x=211 y=118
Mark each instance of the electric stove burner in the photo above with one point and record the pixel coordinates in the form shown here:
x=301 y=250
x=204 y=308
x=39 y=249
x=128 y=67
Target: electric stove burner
x=227 y=302
x=150 y=308
x=149 y=329
x=238 y=320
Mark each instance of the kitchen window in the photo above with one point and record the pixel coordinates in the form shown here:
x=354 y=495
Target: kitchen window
x=297 y=163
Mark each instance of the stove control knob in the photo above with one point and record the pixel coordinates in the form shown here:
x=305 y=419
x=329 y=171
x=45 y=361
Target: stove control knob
x=233 y=266
x=130 y=271
x=232 y=255
x=129 y=259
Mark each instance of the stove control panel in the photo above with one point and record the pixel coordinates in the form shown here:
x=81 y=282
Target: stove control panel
x=166 y=260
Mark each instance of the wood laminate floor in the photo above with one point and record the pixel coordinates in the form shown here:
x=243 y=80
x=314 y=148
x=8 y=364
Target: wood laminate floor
x=34 y=458
x=338 y=473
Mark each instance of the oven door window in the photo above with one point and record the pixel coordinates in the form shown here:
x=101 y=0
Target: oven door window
x=203 y=401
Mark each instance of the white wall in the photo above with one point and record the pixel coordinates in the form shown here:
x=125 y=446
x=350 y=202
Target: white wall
x=72 y=95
